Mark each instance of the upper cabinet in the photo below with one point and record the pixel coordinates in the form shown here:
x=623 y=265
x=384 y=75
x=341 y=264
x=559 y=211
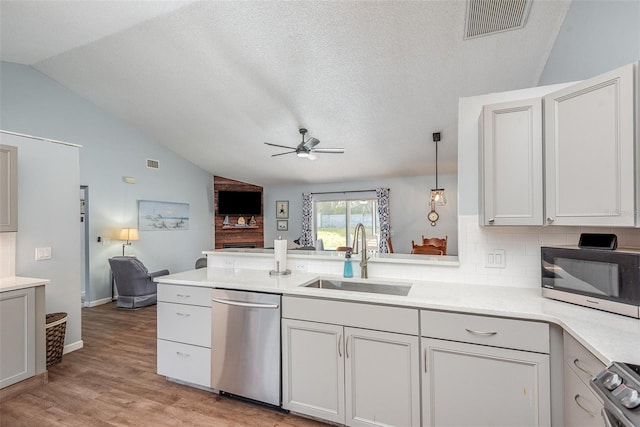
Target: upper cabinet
x=589 y=151
x=587 y=156
x=8 y=188
x=512 y=163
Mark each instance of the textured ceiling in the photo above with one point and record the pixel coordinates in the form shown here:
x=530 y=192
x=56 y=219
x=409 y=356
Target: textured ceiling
x=212 y=80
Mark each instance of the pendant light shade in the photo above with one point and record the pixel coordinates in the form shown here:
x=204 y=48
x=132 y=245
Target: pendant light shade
x=437 y=194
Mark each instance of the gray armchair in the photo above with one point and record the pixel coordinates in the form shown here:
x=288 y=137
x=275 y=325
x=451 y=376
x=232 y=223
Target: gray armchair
x=135 y=284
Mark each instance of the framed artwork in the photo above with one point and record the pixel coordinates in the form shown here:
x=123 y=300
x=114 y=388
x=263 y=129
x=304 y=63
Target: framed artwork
x=154 y=216
x=282 y=225
x=282 y=209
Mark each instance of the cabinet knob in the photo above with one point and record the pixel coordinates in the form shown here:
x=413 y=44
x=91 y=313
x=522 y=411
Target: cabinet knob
x=549 y=219
x=492 y=220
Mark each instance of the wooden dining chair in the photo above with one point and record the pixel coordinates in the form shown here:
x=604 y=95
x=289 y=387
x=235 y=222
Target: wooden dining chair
x=426 y=250
x=437 y=242
x=389 y=245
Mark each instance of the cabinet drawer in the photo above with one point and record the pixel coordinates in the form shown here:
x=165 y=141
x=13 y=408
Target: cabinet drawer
x=184 y=323
x=581 y=360
x=493 y=331
x=192 y=295
x=367 y=316
x=184 y=362
x=581 y=406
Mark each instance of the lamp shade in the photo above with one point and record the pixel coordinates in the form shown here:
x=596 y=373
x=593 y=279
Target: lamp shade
x=129 y=234
x=438 y=197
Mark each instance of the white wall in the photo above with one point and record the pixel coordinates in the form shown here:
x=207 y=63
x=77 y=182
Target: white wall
x=597 y=36
x=408 y=200
x=31 y=103
x=48 y=182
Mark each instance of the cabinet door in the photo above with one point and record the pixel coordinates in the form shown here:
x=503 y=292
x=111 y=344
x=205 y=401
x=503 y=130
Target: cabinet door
x=473 y=385
x=313 y=369
x=17 y=336
x=8 y=188
x=512 y=163
x=382 y=378
x=581 y=406
x=589 y=151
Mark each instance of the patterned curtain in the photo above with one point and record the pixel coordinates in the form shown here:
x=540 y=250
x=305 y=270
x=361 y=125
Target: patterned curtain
x=383 y=218
x=307 y=220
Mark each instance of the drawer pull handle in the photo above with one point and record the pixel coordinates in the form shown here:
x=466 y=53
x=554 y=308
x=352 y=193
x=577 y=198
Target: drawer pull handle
x=183 y=314
x=181 y=354
x=425 y=360
x=481 y=333
x=183 y=296
x=578 y=364
x=577 y=399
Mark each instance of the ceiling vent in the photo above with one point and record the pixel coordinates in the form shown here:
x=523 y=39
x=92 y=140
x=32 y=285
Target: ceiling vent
x=153 y=164
x=486 y=17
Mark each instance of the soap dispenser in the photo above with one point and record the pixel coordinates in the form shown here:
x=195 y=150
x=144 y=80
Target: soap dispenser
x=348 y=268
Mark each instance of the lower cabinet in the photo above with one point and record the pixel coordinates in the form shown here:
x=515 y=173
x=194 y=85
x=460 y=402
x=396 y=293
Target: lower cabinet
x=499 y=375
x=17 y=336
x=350 y=375
x=581 y=406
x=184 y=333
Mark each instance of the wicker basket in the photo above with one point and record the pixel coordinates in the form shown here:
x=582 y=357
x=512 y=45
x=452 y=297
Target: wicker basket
x=56 y=328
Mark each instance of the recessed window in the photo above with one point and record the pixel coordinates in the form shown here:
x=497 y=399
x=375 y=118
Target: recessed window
x=335 y=221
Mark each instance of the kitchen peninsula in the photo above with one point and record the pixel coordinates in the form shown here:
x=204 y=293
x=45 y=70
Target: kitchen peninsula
x=537 y=335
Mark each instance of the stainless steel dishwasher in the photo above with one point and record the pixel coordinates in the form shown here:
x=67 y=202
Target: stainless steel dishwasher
x=246 y=344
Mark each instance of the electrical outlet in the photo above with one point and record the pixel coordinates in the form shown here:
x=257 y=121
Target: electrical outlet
x=300 y=266
x=227 y=263
x=496 y=258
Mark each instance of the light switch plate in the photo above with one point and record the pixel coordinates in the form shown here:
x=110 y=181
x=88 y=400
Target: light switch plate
x=43 y=253
x=495 y=258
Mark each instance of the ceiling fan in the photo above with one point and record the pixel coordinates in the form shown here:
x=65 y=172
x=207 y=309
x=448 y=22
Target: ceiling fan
x=306 y=148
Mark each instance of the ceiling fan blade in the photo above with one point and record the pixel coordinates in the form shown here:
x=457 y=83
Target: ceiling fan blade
x=329 y=150
x=311 y=142
x=280 y=146
x=282 y=154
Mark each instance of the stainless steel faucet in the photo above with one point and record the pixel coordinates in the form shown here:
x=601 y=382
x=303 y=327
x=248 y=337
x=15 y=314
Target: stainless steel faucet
x=363 y=243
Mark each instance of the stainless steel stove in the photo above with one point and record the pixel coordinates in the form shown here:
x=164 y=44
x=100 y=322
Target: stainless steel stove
x=619 y=388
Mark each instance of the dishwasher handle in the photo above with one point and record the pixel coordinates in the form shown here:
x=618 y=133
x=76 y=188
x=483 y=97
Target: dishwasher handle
x=244 y=304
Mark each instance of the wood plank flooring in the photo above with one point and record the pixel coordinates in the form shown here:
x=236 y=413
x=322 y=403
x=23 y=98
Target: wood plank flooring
x=112 y=381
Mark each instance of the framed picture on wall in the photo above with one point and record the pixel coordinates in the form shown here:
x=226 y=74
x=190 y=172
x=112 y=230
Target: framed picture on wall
x=282 y=225
x=282 y=209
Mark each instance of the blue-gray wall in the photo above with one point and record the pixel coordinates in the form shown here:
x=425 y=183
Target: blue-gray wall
x=597 y=36
x=34 y=104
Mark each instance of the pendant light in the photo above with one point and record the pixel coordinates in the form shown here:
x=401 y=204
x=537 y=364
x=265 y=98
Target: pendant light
x=437 y=194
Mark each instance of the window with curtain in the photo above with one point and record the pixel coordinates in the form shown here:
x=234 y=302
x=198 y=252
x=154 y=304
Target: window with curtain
x=335 y=221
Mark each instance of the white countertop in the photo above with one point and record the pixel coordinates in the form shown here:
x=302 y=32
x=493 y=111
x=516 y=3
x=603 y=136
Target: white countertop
x=611 y=337
x=16 y=282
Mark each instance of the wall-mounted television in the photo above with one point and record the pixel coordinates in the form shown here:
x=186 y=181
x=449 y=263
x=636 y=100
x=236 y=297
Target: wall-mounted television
x=239 y=203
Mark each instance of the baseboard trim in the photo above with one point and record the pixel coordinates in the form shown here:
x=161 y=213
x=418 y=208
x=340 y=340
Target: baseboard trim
x=73 y=347
x=23 y=386
x=98 y=302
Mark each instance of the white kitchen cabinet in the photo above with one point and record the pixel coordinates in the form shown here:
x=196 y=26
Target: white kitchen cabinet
x=184 y=333
x=581 y=405
x=589 y=150
x=8 y=188
x=350 y=375
x=499 y=377
x=313 y=369
x=511 y=168
x=17 y=336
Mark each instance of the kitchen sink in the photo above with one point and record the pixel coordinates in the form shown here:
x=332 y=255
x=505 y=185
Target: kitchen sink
x=376 y=288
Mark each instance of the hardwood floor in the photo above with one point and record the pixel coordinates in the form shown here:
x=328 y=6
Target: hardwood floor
x=112 y=381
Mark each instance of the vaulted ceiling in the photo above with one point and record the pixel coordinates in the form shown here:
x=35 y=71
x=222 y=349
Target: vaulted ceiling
x=214 y=80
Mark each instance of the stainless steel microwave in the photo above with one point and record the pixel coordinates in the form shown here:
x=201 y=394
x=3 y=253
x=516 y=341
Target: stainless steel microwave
x=607 y=280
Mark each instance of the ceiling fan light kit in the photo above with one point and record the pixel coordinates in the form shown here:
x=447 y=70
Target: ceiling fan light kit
x=306 y=149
